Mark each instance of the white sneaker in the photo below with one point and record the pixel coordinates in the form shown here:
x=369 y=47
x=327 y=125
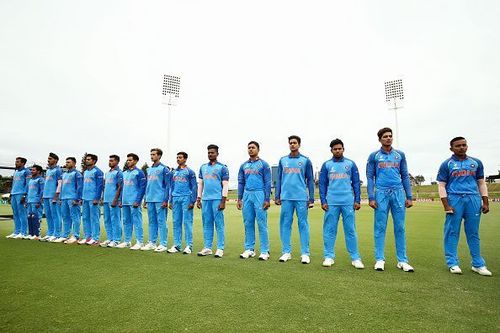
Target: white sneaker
x=204 y=252
x=358 y=264
x=264 y=256
x=187 y=250
x=455 y=270
x=405 y=267
x=137 y=246
x=44 y=238
x=12 y=235
x=285 y=257
x=51 y=239
x=83 y=241
x=482 y=271
x=328 y=262
x=34 y=237
x=219 y=253
x=92 y=242
x=123 y=245
x=28 y=237
x=305 y=259
x=60 y=240
x=148 y=247
x=174 y=249
x=112 y=244
x=379 y=265
x=247 y=254
x=105 y=243
x=160 y=248
x=71 y=240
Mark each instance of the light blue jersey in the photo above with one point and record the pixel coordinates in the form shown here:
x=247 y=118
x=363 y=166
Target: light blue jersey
x=134 y=186
x=158 y=185
x=339 y=182
x=35 y=190
x=52 y=177
x=72 y=185
x=93 y=182
x=254 y=176
x=461 y=176
x=212 y=176
x=295 y=179
x=20 y=181
x=113 y=180
x=183 y=183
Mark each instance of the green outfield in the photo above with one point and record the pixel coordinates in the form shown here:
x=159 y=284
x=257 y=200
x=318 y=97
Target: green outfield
x=63 y=288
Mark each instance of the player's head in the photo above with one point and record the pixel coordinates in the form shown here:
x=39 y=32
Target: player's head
x=181 y=158
x=52 y=159
x=20 y=162
x=156 y=154
x=132 y=160
x=36 y=170
x=253 y=149
x=458 y=146
x=213 y=152
x=90 y=160
x=337 y=148
x=113 y=161
x=385 y=136
x=70 y=162
x=294 y=143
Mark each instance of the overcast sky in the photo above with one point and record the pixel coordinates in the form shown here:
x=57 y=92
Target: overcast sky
x=86 y=76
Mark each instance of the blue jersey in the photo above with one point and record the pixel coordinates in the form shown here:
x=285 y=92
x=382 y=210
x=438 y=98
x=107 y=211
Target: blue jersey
x=52 y=177
x=158 y=183
x=254 y=176
x=134 y=186
x=113 y=180
x=184 y=183
x=212 y=176
x=93 y=183
x=339 y=182
x=295 y=178
x=387 y=171
x=72 y=185
x=20 y=181
x=35 y=189
x=461 y=176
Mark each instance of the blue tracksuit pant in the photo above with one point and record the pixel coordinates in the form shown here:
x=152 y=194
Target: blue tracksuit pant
x=132 y=218
x=330 y=224
x=91 y=215
x=20 y=215
x=183 y=216
x=286 y=219
x=252 y=210
x=71 y=215
x=468 y=209
x=157 y=216
x=53 y=217
x=112 y=222
x=393 y=200
x=34 y=217
x=211 y=215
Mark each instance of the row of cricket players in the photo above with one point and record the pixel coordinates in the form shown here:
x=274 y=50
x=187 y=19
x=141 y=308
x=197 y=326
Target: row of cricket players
x=70 y=195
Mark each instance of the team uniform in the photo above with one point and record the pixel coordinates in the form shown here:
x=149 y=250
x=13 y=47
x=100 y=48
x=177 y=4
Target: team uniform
x=71 y=190
x=340 y=188
x=254 y=188
x=112 y=215
x=34 y=199
x=389 y=185
x=183 y=191
x=19 y=190
x=134 y=186
x=53 y=177
x=93 y=183
x=295 y=189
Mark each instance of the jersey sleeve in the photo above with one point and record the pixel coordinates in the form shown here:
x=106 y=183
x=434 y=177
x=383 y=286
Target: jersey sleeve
x=405 y=177
x=193 y=185
x=141 y=182
x=310 y=180
x=370 y=176
x=277 y=190
x=443 y=173
x=99 y=180
x=79 y=185
x=266 y=170
x=224 y=173
x=356 y=184
x=480 y=170
x=241 y=182
x=323 y=183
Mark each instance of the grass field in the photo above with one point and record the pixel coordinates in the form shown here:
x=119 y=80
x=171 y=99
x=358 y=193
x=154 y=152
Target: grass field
x=57 y=287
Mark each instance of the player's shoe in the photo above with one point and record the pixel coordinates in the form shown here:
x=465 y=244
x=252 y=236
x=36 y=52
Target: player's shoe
x=105 y=243
x=219 y=253
x=328 y=262
x=18 y=236
x=148 y=247
x=264 y=256
x=247 y=254
x=123 y=245
x=455 y=270
x=285 y=257
x=405 y=267
x=174 y=249
x=187 y=250
x=83 y=241
x=204 y=252
x=35 y=238
x=160 y=248
x=137 y=246
x=358 y=264
x=481 y=271
x=28 y=237
x=51 y=239
x=60 y=240
x=44 y=238
x=71 y=240
x=379 y=265
x=12 y=235
x=93 y=242
x=112 y=244
x=305 y=259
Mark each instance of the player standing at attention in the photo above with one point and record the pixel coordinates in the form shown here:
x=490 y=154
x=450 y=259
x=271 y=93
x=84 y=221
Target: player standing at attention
x=461 y=188
x=35 y=202
x=183 y=192
x=295 y=180
x=134 y=186
x=18 y=198
x=93 y=183
x=213 y=186
x=113 y=185
x=389 y=189
x=157 y=190
x=254 y=190
x=51 y=205
x=340 y=194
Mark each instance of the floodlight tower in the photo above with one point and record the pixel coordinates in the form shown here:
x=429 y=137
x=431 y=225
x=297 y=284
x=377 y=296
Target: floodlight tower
x=170 y=92
x=394 y=97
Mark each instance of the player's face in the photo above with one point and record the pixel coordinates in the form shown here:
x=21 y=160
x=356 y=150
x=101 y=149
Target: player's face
x=386 y=139
x=337 y=151
x=18 y=163
x=459 y=148
x=155 y=157
x=212 y=155
x=34 y=172
x=112 y=163
x=181 y=160
x=253 y=151
x=89 y=161
x=294 y=145
x=70 y=164
x=131 y=162
x=51 y=161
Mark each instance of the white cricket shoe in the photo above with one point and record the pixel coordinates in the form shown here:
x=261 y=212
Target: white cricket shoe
x=160 y=248
x=482 y=271
x=405 y=267
x=264 y=256
x=174 y=249
x=285 y=257
x=205 y=252
x=28 y=237
x=83 y=241
x=71 y=240
x=247 y=254
x=455 y=270
x=219 y=253
x=12 y=235
x=328 y=262
x=44 y=238
x=51 y=239
x=34 y=237
x=305 y=259
x=112 y=244
x=18 y=236
x=358 y=264
x=148 y=247
x=105 y=243
x=137 y=246
x=92 y=242
x=379 y=265
x=60 y=240
x=187 y=250
x=123 y=245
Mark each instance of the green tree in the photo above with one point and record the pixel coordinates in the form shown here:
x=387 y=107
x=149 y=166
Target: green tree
x=419 y=179
x=82 y=164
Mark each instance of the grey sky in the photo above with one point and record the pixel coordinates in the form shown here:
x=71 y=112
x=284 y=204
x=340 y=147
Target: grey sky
x=86 y=76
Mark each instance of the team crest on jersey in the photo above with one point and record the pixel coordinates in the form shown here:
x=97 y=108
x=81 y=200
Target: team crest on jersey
x=396 y=157
x=472 y=165
x=346 y=167
x=300 y=164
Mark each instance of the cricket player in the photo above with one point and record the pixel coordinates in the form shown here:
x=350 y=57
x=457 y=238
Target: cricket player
x=254 y=191
x=213 y=187
x=294 y=193
x=157 y=191
x=134 y=187
x=389 y=189
x=464 y=195
x=340 y=194
x=183 y=193
x=71 y=201
x=51 y=205
x=35 y=202
x=93 y=183
x=18 y=199
x=113 y=185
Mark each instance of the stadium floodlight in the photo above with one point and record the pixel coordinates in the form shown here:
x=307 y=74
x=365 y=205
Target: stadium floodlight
x=394 y=97
x=170 y=91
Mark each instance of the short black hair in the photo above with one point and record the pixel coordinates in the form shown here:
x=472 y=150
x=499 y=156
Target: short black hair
x=254 y=143
x=296 y=137
x=185 y=155
x=92 y=156
x=115 y=157
x=336 y=142
x=158 y=151
x=54 y=156
x=212 y=146
x=134 y=156
x=22 y=159
x=457 y=138
x=37 y=167
x=382 y=131
x=71 y=158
